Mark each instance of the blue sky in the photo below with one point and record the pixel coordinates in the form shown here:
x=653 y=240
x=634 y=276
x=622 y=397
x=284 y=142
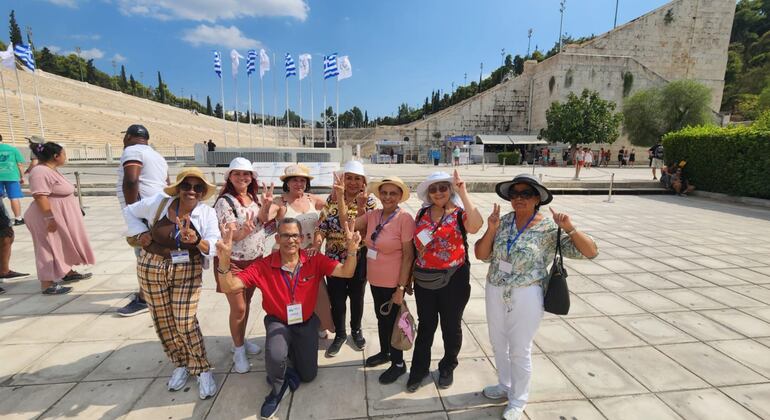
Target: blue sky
x=400 y=50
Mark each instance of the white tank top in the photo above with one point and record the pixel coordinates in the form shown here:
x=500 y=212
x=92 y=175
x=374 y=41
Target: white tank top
x=307 y=220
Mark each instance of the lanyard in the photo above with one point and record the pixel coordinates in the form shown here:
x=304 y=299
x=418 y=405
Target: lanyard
x=295 y=275
x=177 y=234
x=513 y=226
x=382 y=224
x=440 y=222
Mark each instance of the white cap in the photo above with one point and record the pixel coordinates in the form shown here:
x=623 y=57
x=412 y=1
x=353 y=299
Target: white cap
x=240 y=164
x=354 y=167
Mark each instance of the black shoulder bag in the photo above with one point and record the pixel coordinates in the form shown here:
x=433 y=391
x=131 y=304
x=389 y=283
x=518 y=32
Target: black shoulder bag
x=556 y=299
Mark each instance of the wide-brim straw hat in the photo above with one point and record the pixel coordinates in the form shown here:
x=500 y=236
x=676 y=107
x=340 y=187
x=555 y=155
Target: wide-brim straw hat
x=240 y=164
x=296 y=170
x=173 y=189
x=503 y=189
x=374 y=187
x=434 y=178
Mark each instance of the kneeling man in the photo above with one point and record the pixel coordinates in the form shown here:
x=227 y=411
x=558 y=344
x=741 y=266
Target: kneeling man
x=288 y=280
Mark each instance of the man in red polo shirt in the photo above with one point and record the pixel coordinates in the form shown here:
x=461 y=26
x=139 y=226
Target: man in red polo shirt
x=289 y=280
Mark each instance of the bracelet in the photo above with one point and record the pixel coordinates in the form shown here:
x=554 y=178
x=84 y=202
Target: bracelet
x=572 y=231
x=401 y=287
x=220 y=271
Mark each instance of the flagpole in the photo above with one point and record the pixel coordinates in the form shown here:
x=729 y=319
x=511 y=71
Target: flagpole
x=251 y=143
x=37 y=100
x=275 y=102
x=337 y=120
x=324 y=112
x=21 y=101
x=7 y=109
x=235 y=113
x=224 y=120
x=262 y=101
x=287 y=111
x=300 y=108
x=312 y=112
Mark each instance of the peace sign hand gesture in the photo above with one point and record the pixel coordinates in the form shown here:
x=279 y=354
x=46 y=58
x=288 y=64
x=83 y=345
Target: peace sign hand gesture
x=361 y=200
x=458 y=183
x=267 y=194
x=248 y=226
x=186 y=233
x=494 y=219
x=338 y=189
x=225 y=245
x=352 y=236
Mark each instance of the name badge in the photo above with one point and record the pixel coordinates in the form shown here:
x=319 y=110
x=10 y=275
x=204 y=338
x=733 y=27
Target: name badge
x=180 y=256
x=505 y=267
x=371 y=254
x=425 y=237
x=294 y=314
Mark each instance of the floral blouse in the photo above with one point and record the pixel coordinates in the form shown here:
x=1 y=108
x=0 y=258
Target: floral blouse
x=252 y=246
x=331 y=229
x=531 y=255
x=446 y=250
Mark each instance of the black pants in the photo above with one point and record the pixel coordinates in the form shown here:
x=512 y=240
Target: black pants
x=447 y=305
x=340 y=289
x=298 y=343
x=385 y=322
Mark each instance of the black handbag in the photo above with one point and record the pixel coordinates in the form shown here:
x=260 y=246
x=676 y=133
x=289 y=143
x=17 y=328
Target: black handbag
x=556 y=299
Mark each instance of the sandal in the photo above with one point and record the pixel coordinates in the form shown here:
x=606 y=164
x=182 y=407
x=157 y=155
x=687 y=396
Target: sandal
x=57 y=289
x=73 y=276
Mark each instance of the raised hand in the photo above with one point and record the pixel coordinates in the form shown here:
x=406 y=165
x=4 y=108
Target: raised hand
x=248 y=225
x=458 y=182
x=186 y=234
x=338 y=189
x=562 y=220
x=352 y=236
x=267 y=194
x=361 y=199
x=494 y=219
x=225 y=245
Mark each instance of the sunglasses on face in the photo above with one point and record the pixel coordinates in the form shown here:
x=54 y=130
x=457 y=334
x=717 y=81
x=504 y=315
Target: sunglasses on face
x=438 y=188
x=198 y=188
x=289 y=236
x=526 y=194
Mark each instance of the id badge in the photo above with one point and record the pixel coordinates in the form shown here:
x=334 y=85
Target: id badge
x=425 y=237
x=505 y=267
x=180 y=256
x=371 y=254
x=294 y=314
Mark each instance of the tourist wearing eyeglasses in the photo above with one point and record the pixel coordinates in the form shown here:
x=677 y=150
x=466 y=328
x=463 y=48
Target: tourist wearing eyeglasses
x=442 y=272
x=390 y=253
x=175 y=250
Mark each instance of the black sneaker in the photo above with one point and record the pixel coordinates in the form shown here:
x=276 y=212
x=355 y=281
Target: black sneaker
x=135 y=307
x=2 y=290
x=377 y=359
x=18 y=222
x=445 y=379
x=414 y=383
x=13 y=275
x=393 y=373
x=74 y=276
x=336 y=345
x=57 y=289
x=273 y=402
x=358 y=339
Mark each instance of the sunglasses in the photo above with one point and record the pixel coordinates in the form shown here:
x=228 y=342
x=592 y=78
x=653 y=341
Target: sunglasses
x=526 y=194
x=289 y=236
x=198 y=188
x=438 y=188
x=376 y=232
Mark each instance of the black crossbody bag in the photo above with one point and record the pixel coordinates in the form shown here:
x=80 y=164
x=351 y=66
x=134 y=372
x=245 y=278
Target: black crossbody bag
x=556 y=299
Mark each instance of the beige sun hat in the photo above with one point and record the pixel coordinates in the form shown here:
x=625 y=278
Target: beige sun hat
x=173 y=189
x=296 y=170
x=374 y=187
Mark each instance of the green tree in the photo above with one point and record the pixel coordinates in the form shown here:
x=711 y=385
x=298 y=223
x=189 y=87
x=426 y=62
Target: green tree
x=123 y=82
x=209 y=111
x=651 y=113
x=132 y=84
x=218 y=110
x=518 y=65
x=160 y=91
x=16 y=38
x=46 y=61
x=582 y=119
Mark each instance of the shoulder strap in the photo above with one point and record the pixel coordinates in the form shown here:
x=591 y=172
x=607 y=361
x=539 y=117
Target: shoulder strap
x=232 y=205
x=421 y=213
x=461 y=226
x=160 y=209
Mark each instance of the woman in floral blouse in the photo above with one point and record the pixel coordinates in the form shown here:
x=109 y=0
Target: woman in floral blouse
x=239 y=207
x=520 y=247
x=442 y=293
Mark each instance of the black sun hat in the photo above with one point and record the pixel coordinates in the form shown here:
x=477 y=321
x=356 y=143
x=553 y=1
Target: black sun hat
x=503 y=189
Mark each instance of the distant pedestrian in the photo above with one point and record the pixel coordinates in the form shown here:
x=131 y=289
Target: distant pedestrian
x=626 y=157
x=656 y=152
x=621 y=153
x=12 y=178
x=6 y=242
x=588 y=158
x=579 y=161
x=456 y=156
x=632 y=157
x=211 y=146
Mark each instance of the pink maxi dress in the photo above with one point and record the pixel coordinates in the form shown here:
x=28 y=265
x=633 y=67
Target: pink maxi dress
x=57 y=252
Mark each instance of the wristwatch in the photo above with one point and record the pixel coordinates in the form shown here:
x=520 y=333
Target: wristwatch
x=401 y=287
x=220 y=271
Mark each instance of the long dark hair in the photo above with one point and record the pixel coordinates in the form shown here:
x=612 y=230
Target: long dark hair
x=251 y=190
x=45 y=152
x=286 y=183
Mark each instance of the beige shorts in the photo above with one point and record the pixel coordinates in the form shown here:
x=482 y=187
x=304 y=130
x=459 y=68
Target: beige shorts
x=657 y=163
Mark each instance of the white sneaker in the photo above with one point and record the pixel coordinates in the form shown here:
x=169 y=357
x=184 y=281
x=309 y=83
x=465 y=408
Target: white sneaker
x=207 y=386
x=252 y=348
x=178 y=379
x=240 y=360
x=495 y=392
x=512 y=413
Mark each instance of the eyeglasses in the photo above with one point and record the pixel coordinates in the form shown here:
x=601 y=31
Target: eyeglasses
x=198 y=188
x=526 y=194
x=376 y=232
x=290 y=236
x=438 y=188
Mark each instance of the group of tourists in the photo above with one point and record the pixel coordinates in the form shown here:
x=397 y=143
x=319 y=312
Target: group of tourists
x=309 y=256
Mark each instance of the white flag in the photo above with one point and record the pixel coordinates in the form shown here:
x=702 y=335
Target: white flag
x=304 y=65
x=236 y=61
x=264 y=63
x=343 y=64
x=7 y=58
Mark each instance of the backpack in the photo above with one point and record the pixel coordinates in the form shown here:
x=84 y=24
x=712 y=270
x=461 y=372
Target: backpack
x=657 y=153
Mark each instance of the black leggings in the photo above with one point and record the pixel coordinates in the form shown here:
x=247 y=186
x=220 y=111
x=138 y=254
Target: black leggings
x=385 y=322
x=354 y=288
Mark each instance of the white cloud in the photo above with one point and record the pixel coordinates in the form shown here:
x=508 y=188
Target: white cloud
x=53 y=48
x=119 y=58
x=212 y=11
x=91 y=53
x=229 y=37
x=86 y=37
x=65 y=3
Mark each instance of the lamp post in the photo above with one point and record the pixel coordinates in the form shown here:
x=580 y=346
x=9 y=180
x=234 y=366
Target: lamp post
x=561 y=21
x=529 y=40
x=615 y=25
x=502 y=63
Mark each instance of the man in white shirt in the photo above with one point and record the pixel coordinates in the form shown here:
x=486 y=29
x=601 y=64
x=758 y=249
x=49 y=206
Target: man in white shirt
x=142 y=173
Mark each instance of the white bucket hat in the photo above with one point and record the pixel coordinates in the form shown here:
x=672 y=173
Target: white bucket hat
x=354 y=167
x=240 y=164
x=436 y=177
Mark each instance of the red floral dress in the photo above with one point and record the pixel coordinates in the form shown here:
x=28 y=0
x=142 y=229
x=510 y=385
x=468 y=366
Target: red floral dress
x=446 y=250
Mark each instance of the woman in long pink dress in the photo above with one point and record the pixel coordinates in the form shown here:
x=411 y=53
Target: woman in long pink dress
x=55 y=221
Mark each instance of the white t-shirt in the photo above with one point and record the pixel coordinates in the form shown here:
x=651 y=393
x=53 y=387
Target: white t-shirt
x=589 y=157
x=152 y=178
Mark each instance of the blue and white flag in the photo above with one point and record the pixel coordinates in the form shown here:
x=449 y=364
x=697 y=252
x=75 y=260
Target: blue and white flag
x=24 y=54
x=330 y=66
x=291 y=69
x=251 y=62
x=217 y=64
x=264 y=63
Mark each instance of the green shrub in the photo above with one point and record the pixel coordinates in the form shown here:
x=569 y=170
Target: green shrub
x=511 y=158
x=731 y=160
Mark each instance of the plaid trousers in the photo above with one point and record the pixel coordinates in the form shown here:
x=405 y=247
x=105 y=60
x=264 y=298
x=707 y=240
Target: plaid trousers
x=172 y=292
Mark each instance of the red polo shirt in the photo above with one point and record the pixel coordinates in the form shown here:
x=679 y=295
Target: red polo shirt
x=265 y=274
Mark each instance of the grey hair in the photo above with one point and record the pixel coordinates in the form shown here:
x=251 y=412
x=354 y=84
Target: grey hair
x=289 y=221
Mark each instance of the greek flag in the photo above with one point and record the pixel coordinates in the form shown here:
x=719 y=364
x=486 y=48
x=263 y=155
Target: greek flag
x=24 y=54
x=217 y=64
x=330 y=66
x=291 y=69
x=251 y=61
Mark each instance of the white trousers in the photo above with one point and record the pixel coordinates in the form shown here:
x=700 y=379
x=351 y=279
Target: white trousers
x=511 y=333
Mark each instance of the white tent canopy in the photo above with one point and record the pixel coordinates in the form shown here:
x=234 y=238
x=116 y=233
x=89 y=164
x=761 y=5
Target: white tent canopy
x=508 y=139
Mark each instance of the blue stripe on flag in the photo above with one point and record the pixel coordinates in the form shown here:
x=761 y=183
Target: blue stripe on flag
x=291 y=69
x=251 y=59
x=24 y=54
x=217 y=64
x=330 y=66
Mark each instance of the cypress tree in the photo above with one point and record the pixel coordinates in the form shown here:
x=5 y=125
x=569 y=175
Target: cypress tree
x=16 y=38
x=209 y=111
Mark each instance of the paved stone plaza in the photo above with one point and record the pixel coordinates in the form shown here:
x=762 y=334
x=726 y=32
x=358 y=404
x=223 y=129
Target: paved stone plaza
x=671 y=321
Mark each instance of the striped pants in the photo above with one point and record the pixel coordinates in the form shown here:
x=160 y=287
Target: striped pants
x=172 y=292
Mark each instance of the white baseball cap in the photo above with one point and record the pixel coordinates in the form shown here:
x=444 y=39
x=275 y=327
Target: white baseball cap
x=354 y=167
x=240 y=164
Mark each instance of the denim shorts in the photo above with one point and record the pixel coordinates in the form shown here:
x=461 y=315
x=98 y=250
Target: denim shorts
x=11 y=189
